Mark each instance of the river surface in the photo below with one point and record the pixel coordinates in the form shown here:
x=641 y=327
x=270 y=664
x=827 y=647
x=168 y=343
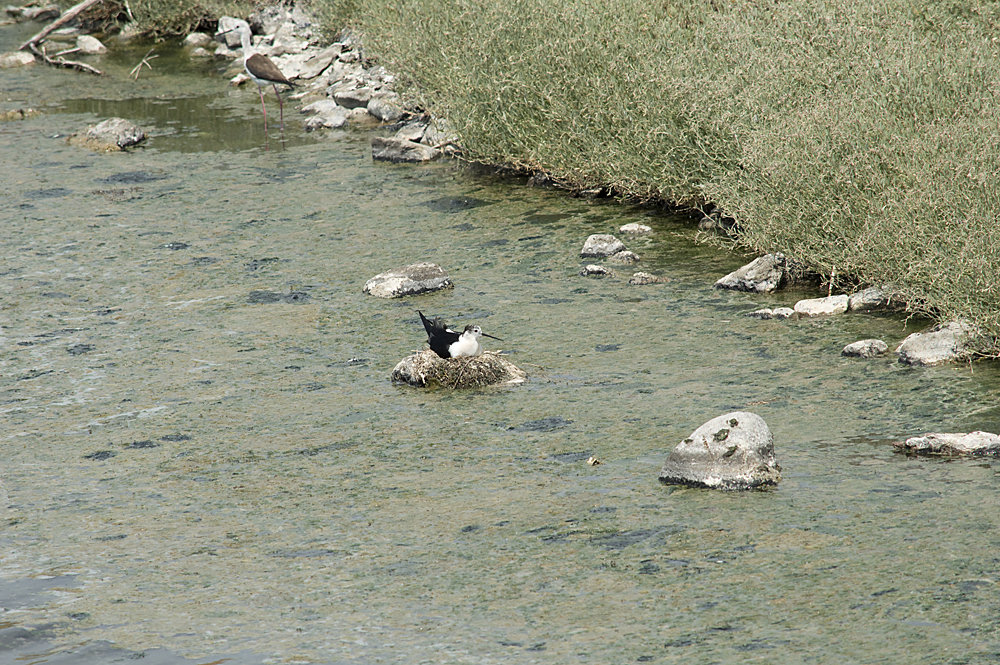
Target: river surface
x=203 y=459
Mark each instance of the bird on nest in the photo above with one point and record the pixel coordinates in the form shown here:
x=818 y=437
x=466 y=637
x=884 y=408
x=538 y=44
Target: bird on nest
x=449 y=343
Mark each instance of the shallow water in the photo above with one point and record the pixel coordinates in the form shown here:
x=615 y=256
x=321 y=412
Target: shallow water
x=203 y=456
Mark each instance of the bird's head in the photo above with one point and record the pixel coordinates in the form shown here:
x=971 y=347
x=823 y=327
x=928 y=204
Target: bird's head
x=476 y=331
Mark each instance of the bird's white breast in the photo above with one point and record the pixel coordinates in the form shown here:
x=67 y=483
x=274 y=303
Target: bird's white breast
x=467 y=345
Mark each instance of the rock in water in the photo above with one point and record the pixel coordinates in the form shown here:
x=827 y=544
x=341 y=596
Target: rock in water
x=948 y=443
x=602 y=244
x=762 y=275
x=427 y=368
x=942 y=343
x=110 y=135
x=408 y=280
x=733 y=452
x=397 y=150
x=865 y=348
x=821 y=306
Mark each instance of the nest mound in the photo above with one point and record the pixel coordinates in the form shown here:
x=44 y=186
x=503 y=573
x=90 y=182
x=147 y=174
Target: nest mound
x=428 y=368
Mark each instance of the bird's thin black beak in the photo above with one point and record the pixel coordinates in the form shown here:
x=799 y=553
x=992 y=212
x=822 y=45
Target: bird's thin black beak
x=491 y=337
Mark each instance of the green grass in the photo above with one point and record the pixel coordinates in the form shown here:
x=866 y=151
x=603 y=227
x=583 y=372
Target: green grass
x=856 y=137
x=860 y=138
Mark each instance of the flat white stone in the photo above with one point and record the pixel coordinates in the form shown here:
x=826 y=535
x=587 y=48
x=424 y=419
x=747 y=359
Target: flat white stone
x=822 y=306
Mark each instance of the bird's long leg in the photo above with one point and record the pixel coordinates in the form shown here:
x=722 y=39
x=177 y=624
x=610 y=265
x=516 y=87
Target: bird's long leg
x=263 y=108
x=281 y=108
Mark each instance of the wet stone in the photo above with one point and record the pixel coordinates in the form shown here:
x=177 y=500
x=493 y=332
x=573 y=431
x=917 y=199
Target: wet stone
x=821 y=306
x=602 y=244
x=408 y=280
x=110 y=135
x=643 y=279
x=942 y=343
x=950 y=443
x=388 y=149
x=594 y=270
x=734 y=451
x=762 y=275
x=624 y=257
x=865 y=348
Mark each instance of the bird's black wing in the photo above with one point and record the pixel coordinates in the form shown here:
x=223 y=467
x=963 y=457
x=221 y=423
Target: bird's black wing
x=438 y=335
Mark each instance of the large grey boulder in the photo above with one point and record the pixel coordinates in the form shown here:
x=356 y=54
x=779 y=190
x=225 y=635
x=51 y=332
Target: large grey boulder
x=426 y=368
x=734 y=451
x=602 y=244
x=408 y=280
x=390 y=149
x=949 y=443
x=942 y=343
x=762 y=275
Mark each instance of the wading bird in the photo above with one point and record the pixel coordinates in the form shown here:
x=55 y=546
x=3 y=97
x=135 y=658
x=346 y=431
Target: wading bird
x=261 y=71
x=450 y=344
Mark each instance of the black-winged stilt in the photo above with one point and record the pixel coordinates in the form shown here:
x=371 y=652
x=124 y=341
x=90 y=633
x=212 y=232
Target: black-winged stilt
x=450 y=344
x=261 y=71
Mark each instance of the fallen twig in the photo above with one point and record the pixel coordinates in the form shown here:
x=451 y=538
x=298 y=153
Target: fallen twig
x=134 y=73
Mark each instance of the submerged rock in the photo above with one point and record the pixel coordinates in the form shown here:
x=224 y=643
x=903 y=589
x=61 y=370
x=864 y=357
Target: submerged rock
x=400 y=150
x=635 y=229
x=624 y=257
x=948 y=443
x=644 y=278
x=776 y=313
x=426 y=368
x=865 y=348
x=110 y=135
x=821 y=306
x=602 y=244
x=594 y=270
x=762 y=275
x=408 y=280
x=734 y=451
x=942 y=343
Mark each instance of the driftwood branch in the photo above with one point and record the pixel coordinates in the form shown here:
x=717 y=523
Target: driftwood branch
x=66 y=17
x=62 y=62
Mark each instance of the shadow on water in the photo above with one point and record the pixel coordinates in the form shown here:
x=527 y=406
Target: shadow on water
x=202 y=453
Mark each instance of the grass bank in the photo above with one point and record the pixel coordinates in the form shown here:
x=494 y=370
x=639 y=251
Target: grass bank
x=857 y=137
x=860 y=138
